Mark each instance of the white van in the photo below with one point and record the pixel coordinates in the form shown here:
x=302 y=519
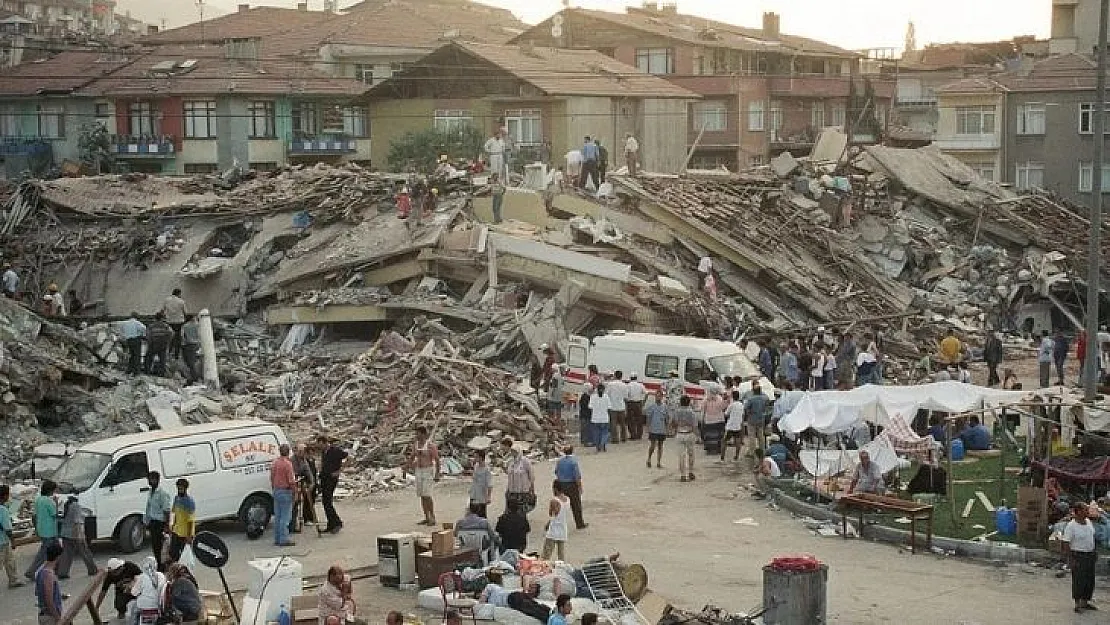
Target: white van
x=227 y=464
x=654 y=356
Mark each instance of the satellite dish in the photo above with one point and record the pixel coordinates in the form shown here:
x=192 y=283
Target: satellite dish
x=557 y=20
x=556 y=31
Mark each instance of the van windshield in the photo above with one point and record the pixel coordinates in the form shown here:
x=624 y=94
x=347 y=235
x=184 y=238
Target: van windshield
x=79 y=472
x=733 y=365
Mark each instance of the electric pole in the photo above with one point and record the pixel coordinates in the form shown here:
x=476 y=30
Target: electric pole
x=1094 y=254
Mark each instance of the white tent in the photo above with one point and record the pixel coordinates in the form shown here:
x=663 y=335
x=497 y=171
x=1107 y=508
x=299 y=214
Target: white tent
x=829 y=412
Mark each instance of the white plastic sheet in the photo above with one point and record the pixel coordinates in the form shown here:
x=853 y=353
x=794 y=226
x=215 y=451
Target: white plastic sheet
x=830 y=412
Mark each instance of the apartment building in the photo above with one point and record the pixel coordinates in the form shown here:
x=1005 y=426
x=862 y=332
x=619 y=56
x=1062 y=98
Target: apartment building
x=183 y=109
x=763 y=91
x=970 y=123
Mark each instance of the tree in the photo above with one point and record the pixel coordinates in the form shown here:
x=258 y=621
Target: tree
x=95 y=147
x=421 y=149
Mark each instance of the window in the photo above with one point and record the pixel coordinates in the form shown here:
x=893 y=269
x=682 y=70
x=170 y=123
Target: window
x=188 y=459
x=200 y=119
x=103 y=109
x=817 y=114
x=398 y=67
x=525 y=126
x=452 y=119
x=1030 y=119
x=755 y=115
x=1087 y=120
x=710 y=161
x=354 y=122
x=1029 y=176
x=713 y=116
x=983 y=170
x=655 y=60
x=660 y=366
x=696 y=370
x=837 y=115
x=201 y=168
x=975 y=120
x=305 y=119
x=776 y=116
x=364 y=73
x=9 y=122
x=262 y=119
x=129 y=468
x=1086 y=182
x=140 y=119
x=51 y=120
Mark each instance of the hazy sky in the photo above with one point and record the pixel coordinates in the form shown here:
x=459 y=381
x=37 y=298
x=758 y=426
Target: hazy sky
x=848 y=23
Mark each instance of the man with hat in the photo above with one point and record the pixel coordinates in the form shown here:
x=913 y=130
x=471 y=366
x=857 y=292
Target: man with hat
x=634 y=407
x=119 y=573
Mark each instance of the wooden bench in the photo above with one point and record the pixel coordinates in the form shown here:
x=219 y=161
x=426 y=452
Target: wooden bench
x=84 y=600
x=865 y=502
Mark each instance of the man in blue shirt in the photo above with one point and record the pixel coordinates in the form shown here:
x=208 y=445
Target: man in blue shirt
x=569 y=476
x=976 y=437
x=590 y=157
x=658 y=418
x=7 y=545
x=133 y=331
x=755 y=409
x=157 y=513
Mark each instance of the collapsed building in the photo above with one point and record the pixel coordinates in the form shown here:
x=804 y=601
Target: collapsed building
x=331 y=305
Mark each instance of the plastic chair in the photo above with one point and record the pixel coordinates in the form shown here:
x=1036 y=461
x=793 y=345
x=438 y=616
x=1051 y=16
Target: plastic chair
x=450 y=588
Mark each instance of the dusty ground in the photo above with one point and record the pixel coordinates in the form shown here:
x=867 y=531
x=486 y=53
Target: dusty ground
x=685 y=536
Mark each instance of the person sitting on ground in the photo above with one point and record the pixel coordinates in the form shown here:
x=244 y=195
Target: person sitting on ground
x=767 y=465
x=513 y=528
x=336 y=605
x=1010 y=381
x=473 y=524
x=184 y=595
x=776 y=450
x=867 y=477
x=976 y=436
x=148 y=590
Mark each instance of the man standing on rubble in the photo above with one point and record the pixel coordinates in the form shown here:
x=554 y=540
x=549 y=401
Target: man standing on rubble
x=631 y=153
x=495 y=155
x=617 y=391
x=590 y=159
x=10 y=281
x=992 y=354
x=951 y=350
x=132 y=331
x=331 y=461
x=174 y=310
x=1044 y=359
x=424 y=462
x=158 y=337
x=190 y=348
x=634 y=407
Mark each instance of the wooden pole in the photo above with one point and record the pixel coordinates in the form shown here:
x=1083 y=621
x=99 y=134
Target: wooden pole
x=948 y=459
x=693 y=147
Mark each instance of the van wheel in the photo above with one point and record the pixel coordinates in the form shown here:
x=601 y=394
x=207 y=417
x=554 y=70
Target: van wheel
x=256 y=509
x=131 y=534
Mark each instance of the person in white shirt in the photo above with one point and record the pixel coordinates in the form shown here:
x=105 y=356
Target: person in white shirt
x=734 y=426
x=751 y=351
x=599 y=417
x=495 y=155
x=617 y=391
x=631 y=154
x=634 y=407
x=817 y=373
x=830 y=371
x=11 y=281
x=705 y=266
x=767 y=465
x=1079 y=549
x=574 y=164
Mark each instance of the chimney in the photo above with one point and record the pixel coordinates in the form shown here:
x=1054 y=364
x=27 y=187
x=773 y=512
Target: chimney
x=243 y=8
x=771 y=26
x=151 y=29
x=302 y=6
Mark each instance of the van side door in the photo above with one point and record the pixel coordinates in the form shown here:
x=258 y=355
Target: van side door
x=196 y=462
x=123 y=491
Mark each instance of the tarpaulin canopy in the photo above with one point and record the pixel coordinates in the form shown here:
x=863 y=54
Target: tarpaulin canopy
x=1087 y=470
x=830 y=412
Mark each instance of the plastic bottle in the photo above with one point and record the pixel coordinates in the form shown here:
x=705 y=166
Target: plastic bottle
x=284 y=618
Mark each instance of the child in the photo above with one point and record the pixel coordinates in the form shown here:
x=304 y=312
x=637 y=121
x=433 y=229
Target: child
x=557 y=530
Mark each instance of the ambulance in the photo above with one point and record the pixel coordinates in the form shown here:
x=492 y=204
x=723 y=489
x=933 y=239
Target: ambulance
x=654 y=356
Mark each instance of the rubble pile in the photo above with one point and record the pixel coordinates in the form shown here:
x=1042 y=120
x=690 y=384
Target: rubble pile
x=376 y=399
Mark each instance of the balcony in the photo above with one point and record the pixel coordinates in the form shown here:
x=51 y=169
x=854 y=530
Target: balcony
x=920 y=101
x=968 y=142
x=24 y=146
x=132 y=146
x=323 y=145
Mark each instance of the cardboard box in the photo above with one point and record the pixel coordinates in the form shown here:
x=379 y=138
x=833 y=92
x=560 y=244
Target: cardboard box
x=443 y=543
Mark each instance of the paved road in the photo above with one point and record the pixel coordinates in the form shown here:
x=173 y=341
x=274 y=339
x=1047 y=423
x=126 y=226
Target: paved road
x=695 y=553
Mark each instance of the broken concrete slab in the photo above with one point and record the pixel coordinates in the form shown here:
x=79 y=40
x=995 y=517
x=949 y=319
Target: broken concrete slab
x=784 y=164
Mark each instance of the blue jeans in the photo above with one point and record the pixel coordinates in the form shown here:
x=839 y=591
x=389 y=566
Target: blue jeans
x=601 y=431
x=40 y=557
x=497 y=200
x=283 y=514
